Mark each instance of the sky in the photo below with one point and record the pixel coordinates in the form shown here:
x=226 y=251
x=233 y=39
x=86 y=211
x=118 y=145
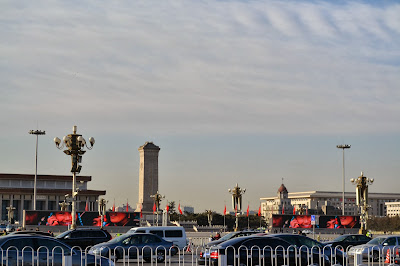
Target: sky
x=253 y=93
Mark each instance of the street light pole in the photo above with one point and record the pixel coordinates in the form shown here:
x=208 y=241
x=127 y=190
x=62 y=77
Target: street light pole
x=343 y=147
x=37 y=133
x=362 y=183
x=75 y=144
x=237 y=193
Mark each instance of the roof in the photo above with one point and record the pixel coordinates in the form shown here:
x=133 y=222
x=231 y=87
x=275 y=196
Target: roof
x=149 y=146
x=49 y=191
x=44 y=177
x=282 y=188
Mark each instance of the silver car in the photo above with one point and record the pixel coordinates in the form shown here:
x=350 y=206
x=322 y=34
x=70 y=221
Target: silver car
x=376 y=248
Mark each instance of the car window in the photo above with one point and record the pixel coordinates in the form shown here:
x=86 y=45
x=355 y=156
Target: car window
x=149 y=239
x=78 y=234
x=291 y=240
x=160 y=233
x=18 y=243
x=96 y=234
x=140 y=231
x=390 y=241
x=363 y=238
x=134 y=240
x=173 y=233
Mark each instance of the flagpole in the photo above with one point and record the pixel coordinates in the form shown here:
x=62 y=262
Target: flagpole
x=248 y=218
x=224 y=215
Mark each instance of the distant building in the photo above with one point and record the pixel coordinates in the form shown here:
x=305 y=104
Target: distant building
x=188 y=209
x=17 y=190
x=392 y=208
x=322 y=203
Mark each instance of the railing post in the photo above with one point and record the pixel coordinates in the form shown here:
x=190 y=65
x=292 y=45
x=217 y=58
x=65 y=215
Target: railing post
x=67 y=261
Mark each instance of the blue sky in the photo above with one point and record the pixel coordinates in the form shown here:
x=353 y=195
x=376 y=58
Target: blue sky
x=245 y=92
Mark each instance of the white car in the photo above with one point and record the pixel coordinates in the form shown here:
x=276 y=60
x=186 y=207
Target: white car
x=376 y=248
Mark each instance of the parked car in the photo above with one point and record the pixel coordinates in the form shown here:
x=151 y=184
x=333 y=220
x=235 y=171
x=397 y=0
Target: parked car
x=175 y=234
x=335 y=255
x=45 y=249
x=259 y=250
x=346 y=241
x=130 y=245
x=10 y=228
x=230 y=236
x=3 y=227
x=84 y=237
x=376 y=248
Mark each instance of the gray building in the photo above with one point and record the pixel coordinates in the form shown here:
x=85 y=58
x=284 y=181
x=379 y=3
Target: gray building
x=17 y=190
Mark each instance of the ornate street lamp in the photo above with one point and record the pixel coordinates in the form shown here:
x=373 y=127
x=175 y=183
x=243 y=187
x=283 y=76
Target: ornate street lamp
x=237 y=193
x=37 y=133
x=362 y=183
x=343 y=147
x=157 y=199
x=209 y=217
x=10 y=211
x=102 y=210
x=75 y=144
x=63 y=205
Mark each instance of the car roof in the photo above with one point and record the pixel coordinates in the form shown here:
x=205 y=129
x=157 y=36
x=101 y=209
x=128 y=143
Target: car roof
x=242 y=239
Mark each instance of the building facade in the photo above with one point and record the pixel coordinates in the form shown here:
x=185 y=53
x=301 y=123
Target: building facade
x=392 y=208
x=17 y=190
x=323 y=203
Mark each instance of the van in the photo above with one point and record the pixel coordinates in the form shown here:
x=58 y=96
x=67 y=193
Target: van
x=175 y=234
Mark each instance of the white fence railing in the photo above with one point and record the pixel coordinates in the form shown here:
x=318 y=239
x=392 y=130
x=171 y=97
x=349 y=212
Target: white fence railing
x=199 y=255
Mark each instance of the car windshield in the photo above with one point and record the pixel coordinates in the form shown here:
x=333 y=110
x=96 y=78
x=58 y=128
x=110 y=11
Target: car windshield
x=376 y=241
x=340 y=238
x=228 y=236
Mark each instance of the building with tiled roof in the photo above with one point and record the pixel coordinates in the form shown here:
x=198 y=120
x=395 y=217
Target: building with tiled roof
x=17 y=190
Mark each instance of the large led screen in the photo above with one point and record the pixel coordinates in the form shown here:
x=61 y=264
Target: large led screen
x=291 y=221
x=54 y=218
x=336 y=222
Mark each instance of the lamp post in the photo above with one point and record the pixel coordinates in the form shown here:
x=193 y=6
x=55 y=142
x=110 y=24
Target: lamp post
x=102 y=210
x=63 y=205
x=157 y=199
x=74 y=144
x=237 y=193
x=343 y=147
x=37 y=133
x=209 y=217
x=10 y=211
x=362 y=183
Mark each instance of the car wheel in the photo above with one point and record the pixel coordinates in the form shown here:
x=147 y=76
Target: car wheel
x=160 y=256
x=375 y=256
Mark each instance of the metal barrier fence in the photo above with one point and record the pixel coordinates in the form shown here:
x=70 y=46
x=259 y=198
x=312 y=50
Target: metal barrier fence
x=199 y=255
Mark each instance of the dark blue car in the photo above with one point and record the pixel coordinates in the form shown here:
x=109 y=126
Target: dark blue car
x=129 y=246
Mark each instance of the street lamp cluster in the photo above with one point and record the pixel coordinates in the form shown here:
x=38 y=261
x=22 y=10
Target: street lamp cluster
x=74 y=144
x=237 y=193
x=362 y=183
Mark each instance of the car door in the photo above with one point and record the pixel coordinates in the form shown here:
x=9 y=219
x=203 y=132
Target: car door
x=133 y=245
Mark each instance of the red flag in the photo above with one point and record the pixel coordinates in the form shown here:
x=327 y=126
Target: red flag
x=127 y=206
x=87 y=205
x=141 y=213
x=259 y=211
x=154 y=208
x=306 y=211
x=179 y=208
x=113 y=209
x=248 y=210
x=294 y=210
x=283 y=208
x=167 y=208
x=236 y=210
x=225 y=210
